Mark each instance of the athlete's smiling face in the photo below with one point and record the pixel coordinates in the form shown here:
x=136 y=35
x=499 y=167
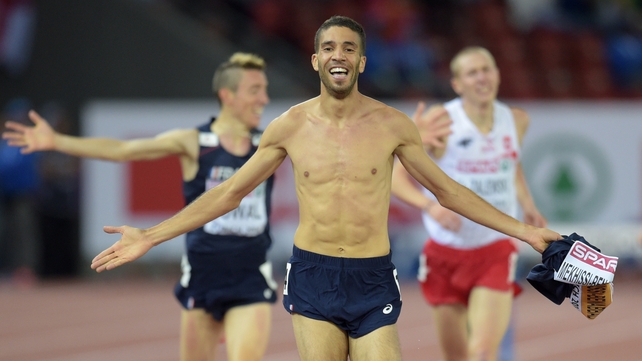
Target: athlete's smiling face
x=339 y=60
x=476 y=78
x=250 y=97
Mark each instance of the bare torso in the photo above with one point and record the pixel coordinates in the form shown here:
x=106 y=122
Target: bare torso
x=342 y=170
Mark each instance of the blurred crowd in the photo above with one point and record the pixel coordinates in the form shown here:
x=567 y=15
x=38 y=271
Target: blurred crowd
x=38 y=203
x=546 y=49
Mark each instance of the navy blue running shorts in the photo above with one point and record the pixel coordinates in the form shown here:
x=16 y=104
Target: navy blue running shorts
x=218 y=282
x=359 y=295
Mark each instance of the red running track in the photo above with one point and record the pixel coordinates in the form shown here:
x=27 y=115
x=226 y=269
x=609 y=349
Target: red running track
x=111 y=319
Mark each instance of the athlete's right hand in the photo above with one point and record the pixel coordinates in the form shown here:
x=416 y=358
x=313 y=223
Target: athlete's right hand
x=30 y=138
x=131 y=245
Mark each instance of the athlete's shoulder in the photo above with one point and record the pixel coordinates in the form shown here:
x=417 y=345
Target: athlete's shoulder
x=437 y=107
x=391 y=117
x=180 y=134
x=517 y=111
x=438 y=111
x=520 y=119
x=291 y=118
x=286 y=125
x=369 y=106
x=299 y=110
x=206 y=127
x=520 y=116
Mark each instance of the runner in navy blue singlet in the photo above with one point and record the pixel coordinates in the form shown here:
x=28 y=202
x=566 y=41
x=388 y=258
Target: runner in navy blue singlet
x=227 y=287
x=225 y=262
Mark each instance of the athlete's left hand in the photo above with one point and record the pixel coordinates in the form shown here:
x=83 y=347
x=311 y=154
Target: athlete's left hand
x=540 y=238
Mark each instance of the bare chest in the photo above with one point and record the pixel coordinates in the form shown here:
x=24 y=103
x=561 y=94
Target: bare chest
x=358 y=153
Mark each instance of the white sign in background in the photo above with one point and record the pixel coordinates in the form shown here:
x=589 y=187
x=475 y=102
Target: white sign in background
x=582 y=160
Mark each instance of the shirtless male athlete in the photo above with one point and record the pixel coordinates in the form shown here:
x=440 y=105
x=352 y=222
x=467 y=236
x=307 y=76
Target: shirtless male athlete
x=342 y=146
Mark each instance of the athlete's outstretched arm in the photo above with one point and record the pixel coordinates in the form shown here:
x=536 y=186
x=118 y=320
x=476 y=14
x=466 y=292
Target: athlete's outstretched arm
x=460 y=199
x=212 y=204
x=41 y=137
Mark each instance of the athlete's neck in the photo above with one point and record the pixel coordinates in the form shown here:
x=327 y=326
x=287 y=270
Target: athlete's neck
x=339 y=110
x=228 y=125
x=482 y=115
x=233 y=134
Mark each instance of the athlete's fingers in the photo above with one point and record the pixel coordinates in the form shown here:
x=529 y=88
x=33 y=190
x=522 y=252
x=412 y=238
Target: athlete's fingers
x=436 y=126
x=445 y=123
x=439 y=117
x=443 y=112
x=13 y=136
x=107 y=263
x=106 y=255
x=99 y=263
x=17 y=143
x=437 y=143
x=36 y=118
x=15 y=126
x=113 y=248
x=541 y=248
x=420 y=109
x=115 y=263
x=452 y=226
x=113 y=229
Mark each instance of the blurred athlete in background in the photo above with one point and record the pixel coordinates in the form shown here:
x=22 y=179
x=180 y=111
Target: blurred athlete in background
x=467 y=271
x=227 y=286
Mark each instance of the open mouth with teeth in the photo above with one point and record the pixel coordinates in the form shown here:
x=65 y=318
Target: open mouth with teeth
x=339 y=73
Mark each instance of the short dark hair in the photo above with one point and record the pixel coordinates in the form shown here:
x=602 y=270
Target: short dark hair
x=228 y=74
x=345 y=22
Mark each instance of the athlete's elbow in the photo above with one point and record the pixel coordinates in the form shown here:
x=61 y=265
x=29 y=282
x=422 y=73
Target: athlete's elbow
x=118 y=155
x=232 y=198
x=447 y=198
x=449 y=203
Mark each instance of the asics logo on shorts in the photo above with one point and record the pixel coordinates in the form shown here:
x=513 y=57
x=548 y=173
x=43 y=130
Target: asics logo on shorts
x=387 y=309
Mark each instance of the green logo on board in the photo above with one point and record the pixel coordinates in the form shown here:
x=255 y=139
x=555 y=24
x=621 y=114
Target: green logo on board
x=568 y=176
